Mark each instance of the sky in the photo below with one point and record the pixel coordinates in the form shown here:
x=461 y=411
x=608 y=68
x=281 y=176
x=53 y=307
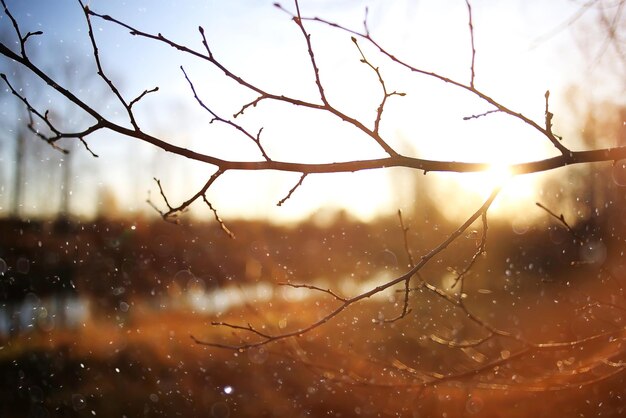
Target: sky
x=523 y=49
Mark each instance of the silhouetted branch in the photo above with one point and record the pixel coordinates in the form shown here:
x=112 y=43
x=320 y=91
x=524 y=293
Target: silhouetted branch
x=480 y=250
x=479 y=115
x=458 y=303
x=82 y=140
x=405 y=304
x=218 y=218
x=386 y=94
x=16 y=28
x=564 y=151
x=298 y=20
x=562 y=220
x=471 y=31
x=167 y=203
x=101 y=73
x=405 y=238
x=256 y=139
x=316 y=288
x=141 y=96
x=407 y=283
x=568 y=158
x=293 y=189
x=56 y=133
x=376 y=290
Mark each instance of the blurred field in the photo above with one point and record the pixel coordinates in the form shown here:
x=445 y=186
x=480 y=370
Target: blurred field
x=151 y=285
x=145 y=364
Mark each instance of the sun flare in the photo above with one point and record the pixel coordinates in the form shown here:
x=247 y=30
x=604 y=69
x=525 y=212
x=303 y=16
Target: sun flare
x=497 y=175
x=466 y=191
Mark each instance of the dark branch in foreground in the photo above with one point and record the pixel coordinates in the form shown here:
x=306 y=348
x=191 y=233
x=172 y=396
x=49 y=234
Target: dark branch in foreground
x=365 y=295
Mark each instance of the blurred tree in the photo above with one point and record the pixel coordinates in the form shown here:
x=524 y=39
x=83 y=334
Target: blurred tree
x=31 y=186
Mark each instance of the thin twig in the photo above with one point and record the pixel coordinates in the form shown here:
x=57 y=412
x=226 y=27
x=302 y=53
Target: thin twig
x=405 y=304
x=218 y=218
x=101 y=72
x=562 y=220
x=479 y=115
x=293 y=189
x=564 y=151
x=256 y=139
x=158 y=182
x=405 y=237
x=298 y=20
x=16 y=28
x=141 y=96
x=480 y=250
x=312 y=287
x=381 y=81
x=376 y=290
x=549 y=115
x=471 y=30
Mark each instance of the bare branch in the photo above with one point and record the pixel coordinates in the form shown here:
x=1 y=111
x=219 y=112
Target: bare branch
x=158 y=182
x=405 y=304
x=376 y=290
x=82 y=140
x=471 y=30
x=298 y=20
x=386 y=95
x=564 y=151
x=293 y=189
x=256 y=139
x=263 y=95
x=365 y=26
x=606 y=154
x=405 y=237
x=57 y=134
x=101 y=73
x=248 y=327
x=29 y=34
x=141 y=96
x=51 y=141
x=609 y=336
x=218 y=219
x=549 y=117
x=480 y=250
x=16 y=28
x=479 y=115
x=562 y=220
x=584 y=7
x=458 y=302
x=312 y=287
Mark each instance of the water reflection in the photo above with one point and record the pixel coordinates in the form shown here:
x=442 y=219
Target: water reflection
x=71 y=310
x=225 y=298
x=67 y=311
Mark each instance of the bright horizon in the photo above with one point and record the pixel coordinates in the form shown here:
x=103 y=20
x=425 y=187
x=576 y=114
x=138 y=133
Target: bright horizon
x=262 y=44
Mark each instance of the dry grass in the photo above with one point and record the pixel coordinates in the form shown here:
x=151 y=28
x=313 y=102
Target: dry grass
x=148 y=365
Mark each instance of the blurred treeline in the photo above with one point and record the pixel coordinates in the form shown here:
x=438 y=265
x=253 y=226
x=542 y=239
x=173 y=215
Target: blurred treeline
x=122 y=256
x=123 y=259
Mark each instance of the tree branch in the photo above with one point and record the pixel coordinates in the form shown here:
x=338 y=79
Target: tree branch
x=365 y=295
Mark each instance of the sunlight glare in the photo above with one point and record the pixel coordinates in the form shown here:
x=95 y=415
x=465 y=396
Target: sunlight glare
x=483 y=183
